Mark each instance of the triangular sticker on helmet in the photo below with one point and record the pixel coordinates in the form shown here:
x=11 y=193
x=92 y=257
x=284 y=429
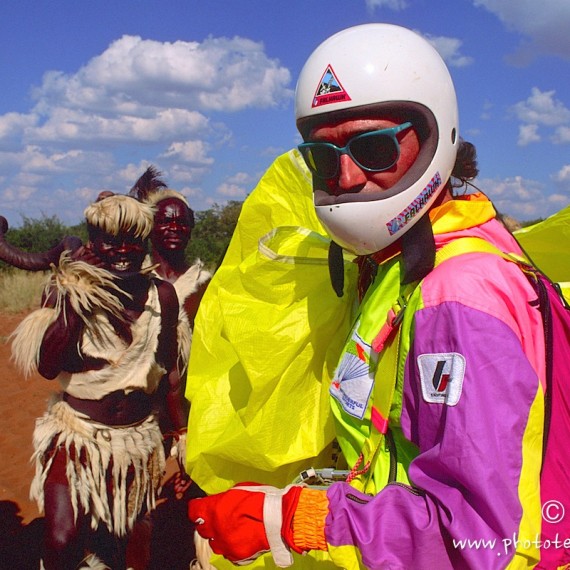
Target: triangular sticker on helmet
x=329 y=90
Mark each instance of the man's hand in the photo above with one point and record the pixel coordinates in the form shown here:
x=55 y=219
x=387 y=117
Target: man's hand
x=85 y=253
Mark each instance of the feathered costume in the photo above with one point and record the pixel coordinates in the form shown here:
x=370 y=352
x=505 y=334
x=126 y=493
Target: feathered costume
x=113 y=472
x=150 y=189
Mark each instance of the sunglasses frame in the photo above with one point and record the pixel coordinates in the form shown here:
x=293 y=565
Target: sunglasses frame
x=339 y=151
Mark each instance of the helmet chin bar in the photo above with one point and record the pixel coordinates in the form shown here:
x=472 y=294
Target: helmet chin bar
x=367 y=227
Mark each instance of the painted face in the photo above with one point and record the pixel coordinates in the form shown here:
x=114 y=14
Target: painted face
x=173 y=223
x=122 y=253
x=350 y=177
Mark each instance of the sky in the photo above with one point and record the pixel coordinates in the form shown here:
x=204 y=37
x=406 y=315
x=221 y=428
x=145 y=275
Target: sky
x=95 y=91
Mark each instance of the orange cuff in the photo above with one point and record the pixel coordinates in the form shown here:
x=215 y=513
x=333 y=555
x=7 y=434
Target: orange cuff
x=309 y=520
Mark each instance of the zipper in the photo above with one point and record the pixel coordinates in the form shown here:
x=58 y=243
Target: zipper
x=409 y=488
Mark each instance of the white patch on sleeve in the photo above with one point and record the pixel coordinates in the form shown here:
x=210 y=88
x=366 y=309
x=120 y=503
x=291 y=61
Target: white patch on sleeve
x=442 y=377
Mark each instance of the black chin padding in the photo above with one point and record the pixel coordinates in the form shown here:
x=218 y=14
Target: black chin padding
x=336 y=268
x=418 y=251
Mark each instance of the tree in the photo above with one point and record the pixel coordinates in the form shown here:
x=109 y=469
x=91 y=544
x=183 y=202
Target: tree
x=212 y=233
x=210 y=237
x=37 y=235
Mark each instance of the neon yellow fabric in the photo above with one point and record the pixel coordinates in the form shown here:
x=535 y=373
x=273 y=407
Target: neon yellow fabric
x=283 y=197
x=266 y=342
x=463 y=212
x=548 y=245
x=356 y=435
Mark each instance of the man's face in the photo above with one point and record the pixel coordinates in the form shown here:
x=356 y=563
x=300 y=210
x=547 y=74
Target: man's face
x=172 y=225
x=122 y=254
x=351 y=178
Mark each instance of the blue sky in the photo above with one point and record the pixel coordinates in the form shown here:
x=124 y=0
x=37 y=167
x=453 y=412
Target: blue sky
x=93 y=91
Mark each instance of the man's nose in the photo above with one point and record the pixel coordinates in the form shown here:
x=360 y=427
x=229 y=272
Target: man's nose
x=351 y=178
x=174 y=226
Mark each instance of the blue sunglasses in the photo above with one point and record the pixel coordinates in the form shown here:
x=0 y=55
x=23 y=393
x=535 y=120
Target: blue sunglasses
x=374 y=151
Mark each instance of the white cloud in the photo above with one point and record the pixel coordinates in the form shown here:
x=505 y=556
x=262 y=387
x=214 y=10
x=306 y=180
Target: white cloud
x=542 y=108
x=240 y=178
x=558 y=201
x=561 y=135
x=135 y=74
x=528 y=134
x=131 y=172
x=450 y=50
x=232 y=191
x=18 y=194
x=391 y=4
x=563 y=176
x=151 y=91
x=179 y=173
x=72 y=125
x=33 y=158
x=12 y=124
x=195 y=152
x=544 y=24
x=486 y=113
x=142 y=97
x=518 y=197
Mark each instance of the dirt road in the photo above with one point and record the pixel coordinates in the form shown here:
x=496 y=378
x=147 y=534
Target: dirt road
x=21 y=525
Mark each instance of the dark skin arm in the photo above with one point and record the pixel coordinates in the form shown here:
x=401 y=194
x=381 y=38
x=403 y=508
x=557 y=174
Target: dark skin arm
x=192 y=302
x=171 y=395
x=59 y=349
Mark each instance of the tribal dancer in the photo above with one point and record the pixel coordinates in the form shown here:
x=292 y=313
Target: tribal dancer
x=172 y=231
x=170 y=236
x=107 y=332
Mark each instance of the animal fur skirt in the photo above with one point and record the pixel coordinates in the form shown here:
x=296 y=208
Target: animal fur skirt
x=113 y=473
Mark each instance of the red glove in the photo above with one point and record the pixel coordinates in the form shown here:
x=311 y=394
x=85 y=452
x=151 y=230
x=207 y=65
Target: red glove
x=247 y=521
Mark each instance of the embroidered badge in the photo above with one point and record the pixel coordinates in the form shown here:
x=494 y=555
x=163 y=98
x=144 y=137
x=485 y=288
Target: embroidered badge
x=329 y=90
x=442 y=377
x=354 y=377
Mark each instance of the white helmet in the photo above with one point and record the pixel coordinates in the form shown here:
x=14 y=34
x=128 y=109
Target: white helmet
x=362 y=71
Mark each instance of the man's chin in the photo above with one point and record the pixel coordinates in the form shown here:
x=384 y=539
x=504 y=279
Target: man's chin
x=174 y=245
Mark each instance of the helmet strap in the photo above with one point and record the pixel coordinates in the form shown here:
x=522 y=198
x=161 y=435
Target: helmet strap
x=418 y=251
x=336 y=268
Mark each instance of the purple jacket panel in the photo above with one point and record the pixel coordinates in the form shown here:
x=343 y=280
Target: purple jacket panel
x=470 y=456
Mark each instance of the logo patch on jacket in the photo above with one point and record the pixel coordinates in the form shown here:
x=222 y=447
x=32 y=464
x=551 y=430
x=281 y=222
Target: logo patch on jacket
x=354 y=377
x=442 y=377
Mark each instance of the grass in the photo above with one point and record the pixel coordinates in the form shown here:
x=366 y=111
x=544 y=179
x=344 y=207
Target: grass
x=20 y=290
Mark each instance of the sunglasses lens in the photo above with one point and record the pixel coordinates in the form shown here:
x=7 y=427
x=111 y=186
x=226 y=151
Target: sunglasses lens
x=321 y=159
x=375 y=152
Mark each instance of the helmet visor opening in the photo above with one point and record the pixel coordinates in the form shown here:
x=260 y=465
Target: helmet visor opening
x=374 y=151
x=418 y=116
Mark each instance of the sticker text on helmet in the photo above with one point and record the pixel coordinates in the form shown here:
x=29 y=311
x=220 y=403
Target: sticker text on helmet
x=329 y=90
x=397 y=223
